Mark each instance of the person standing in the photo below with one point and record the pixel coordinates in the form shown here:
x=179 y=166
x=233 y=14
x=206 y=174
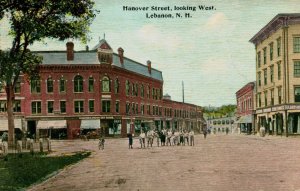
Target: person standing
x=204 y=133
x=191 y=134
x=130 y=140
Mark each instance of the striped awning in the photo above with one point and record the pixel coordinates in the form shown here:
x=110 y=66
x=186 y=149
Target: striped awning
x=4 y=124
x=55 y=124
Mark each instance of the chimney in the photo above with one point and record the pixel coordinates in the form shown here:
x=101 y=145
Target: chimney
x=149 y=66
x=121 y=55
x=70 y=51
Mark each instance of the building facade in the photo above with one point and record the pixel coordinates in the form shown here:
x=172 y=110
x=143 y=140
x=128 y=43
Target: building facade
x=245 y=108
x=277 y=48
x=79 y=91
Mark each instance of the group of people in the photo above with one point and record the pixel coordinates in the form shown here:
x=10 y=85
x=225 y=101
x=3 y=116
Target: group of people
x=164 y=138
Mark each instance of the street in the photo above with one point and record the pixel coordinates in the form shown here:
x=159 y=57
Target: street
x=220 y=162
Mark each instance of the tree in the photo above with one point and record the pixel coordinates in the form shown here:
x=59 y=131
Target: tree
x=31 y=21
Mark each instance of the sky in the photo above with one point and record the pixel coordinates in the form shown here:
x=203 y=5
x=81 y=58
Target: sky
x=209 y=51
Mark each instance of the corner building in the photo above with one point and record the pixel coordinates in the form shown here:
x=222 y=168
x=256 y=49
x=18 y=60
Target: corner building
x=80 y=91
x=277 y=48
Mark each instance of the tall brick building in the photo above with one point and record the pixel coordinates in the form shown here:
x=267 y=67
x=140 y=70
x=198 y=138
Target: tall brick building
x=277 y=48
x=81 y=90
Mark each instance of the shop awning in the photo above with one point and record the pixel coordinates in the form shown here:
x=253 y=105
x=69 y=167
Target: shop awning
x=90 y=124
x=4 y=124
x=55 y=124
x=245 y=119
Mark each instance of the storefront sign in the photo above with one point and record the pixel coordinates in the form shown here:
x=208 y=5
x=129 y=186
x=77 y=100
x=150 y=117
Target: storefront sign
x=258 y=111
x=279 y=108
x=292 y=107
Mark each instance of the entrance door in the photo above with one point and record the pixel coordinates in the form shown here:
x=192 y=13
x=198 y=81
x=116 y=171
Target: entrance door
x=31 y=129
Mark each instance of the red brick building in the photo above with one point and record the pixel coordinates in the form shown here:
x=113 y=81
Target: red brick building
x=82 y=90
x=245 y=107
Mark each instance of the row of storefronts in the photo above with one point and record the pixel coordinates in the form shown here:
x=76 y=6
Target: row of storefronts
x=98 y=92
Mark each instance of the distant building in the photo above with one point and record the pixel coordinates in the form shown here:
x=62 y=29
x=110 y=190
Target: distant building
x=219 y=125
x=277 y=48
x=245 y=108
x=81 y=91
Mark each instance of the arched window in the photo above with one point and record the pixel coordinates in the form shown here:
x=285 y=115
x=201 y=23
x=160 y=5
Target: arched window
x=62 y=85
x=78 y=84
x=49 y=85
x=117 y=85
x=127 y=84
x=105 y=84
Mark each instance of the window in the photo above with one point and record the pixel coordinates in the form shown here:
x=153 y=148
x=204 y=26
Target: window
x=50 y=106
x=136 y=108
x=17 y=106
x=272 y=96
x=265 y=76
x=35 y=86
x=127 y=84
x=259 y=78
x=258 y=59
x=142 y=109
x=148 y=109
x=117 y=106
x=49 y=85
x=259 y=99
x=91 y=106
x=3 y=106
x=279 y=70
x=62 y=85
x=105 y=84
x=91 y=84
x=148 y=92
x=271 y=73
x=153 y=90
x=78 y=84
x=296 y=43
x=278 y=46
x=36 y=107
x=62 y=106
x=133 y=89
x=133 y=107
x=18 y=86
x=279 y=95
x=117 y=84
x=271 y=51
x=297 y=94
x=106 y=106
x=265 y=55
x=127 y=108
x=266 y=98
x=142 y=90
x=78 y=106
x=296 y=68
x=136 y=89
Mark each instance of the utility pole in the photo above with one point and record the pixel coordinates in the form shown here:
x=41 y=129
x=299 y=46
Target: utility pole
x=182 y=92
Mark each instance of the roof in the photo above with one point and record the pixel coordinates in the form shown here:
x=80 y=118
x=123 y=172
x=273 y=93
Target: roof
x=91 y=57
x=280 y=20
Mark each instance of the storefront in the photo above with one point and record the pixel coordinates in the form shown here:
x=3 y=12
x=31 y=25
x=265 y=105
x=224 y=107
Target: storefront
x=54 y=129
